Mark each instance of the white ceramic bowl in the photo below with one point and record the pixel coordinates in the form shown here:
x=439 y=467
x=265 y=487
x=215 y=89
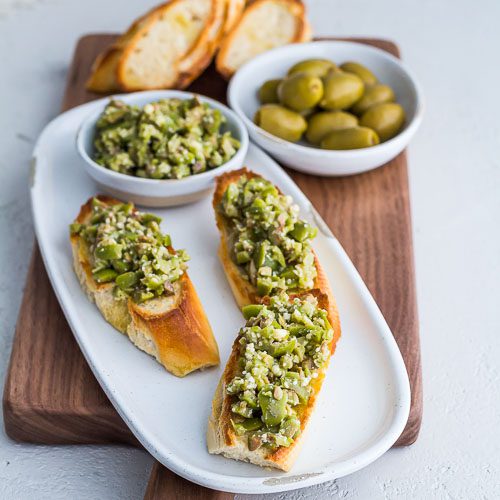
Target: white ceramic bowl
x=242 y=97
x=154 y=192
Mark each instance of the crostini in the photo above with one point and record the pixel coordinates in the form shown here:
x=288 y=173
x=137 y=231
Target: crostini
x=128 y=267
x=265 y=246
x=271 y=382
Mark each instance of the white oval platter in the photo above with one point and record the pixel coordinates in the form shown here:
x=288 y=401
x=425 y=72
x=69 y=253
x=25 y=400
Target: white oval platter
x=365 y=400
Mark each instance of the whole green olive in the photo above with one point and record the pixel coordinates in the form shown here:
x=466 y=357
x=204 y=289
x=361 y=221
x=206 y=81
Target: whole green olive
x=341 y=91
x=376 y=94
x=300 y=91
x=268 y=92
x=313 y=67
x=350 y=138
x=386 y=119
x=320 y=124
x=362 y=71
x=281 y=122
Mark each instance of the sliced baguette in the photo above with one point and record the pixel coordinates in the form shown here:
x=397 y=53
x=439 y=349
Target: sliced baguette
x=265 y=24
x=173 y=329
x=244 y=292
x=150 y=59
x=201 y=54
x=221 y=437
x=103 y=77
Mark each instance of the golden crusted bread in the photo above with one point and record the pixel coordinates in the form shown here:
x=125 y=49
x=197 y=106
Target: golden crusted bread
x=103 y=76
x=244 y=292
x=221 y=437
x=174 y=329
x=166 y=48
x=199 y=57
x=150 y=58
x=264 y=25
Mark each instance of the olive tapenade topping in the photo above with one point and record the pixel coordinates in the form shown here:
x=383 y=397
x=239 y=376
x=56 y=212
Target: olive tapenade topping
x=167 y=139
x=268 y=240
x=281 y=348
x=127 y=248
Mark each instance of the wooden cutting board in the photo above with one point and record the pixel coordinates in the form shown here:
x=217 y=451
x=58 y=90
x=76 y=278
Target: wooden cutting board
x=51 y=395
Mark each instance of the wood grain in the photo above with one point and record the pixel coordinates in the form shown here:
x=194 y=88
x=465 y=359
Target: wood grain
x=50 y=394
x=164 y=484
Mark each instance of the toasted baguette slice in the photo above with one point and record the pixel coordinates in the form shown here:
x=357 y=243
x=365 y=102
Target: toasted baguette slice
x=265 y=24
x=150 y=59
x=201 y=54
x=174 y=329
x=103 y=77
x=221 y=437
x=244 y=292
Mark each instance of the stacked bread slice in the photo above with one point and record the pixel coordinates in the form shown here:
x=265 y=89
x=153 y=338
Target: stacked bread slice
x=172 y=44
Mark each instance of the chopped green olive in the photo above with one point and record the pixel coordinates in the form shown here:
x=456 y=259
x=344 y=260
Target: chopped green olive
x=75 y=228
x=126 y=280
x=109 y=252
x=273 y=409
x=105 y=275
x=251 y=310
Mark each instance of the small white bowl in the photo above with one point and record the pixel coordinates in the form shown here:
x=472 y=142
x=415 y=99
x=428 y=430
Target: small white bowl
x=157 y=192
x=242 y=97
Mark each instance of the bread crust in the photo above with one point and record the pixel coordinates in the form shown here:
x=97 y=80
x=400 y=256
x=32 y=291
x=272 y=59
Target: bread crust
x=201 y=54
x=173 y=329
x=221 y=438
x=302 y=31
x=104 y=73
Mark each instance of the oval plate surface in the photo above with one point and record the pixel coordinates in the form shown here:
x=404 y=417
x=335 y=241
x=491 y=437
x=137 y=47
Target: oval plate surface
x=363 y=406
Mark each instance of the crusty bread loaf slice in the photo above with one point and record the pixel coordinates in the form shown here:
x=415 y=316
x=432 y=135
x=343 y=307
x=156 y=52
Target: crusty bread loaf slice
x=103 y=76
x=221 y=437
x=172 y=328
x=201 y=54
x=244 y=292
x=264 y=25
x=150 y=58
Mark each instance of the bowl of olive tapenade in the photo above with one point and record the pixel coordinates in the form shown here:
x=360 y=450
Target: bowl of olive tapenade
x=160 y=148
x=328 y=107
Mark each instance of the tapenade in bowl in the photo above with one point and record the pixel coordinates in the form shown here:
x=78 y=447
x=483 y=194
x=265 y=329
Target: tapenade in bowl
x=160 y=148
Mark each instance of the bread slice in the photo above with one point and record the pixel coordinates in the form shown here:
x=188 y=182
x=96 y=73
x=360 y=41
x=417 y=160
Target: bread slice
x=150 y=59
x=265 y=24
x=103 y=77
x=201 y=54
x=244 y=292
x=174 y=329
x=221 y=437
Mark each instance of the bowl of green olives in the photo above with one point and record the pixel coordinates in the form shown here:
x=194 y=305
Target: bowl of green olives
x=328 y=107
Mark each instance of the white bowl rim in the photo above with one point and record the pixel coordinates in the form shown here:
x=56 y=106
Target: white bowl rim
x=159 y=94
x=311 y=150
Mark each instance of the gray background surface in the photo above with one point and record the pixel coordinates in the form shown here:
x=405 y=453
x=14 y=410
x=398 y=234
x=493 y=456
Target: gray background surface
x=452 y=47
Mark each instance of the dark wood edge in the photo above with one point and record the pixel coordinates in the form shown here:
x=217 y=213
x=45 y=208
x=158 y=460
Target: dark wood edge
x=163 y=483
